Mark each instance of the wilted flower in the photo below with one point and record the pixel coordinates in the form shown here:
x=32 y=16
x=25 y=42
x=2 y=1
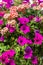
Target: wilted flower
x=11 y=22
x=37 y=7
x=23 y=7
x=13 y=15
x=28 y=52
x=4 y=30
x=6 y=16
x=25 y=29
x=13 y=9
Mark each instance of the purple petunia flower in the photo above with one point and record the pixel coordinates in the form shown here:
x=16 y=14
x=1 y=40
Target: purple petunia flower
x=2 y=38
x=1 y=22
x=28 y=52
x=34 y=60
x=21 y=40
x=23 y=20
x=38 y=38
x=11 y=28
x=11 y=62
x=8 y=3
x=25 y=29
x=36 y=31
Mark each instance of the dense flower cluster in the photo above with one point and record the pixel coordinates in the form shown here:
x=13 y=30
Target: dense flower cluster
x=21 y=32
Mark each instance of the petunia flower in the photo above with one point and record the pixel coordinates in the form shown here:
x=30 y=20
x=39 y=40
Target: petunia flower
x=23 y=20
x=28 y=52
x=40 y=1
x=7 y=55
x=37 y=19
x=4 y=58
x=1 y=22
x=29 y=41
x=2 y=13
x=11 y=62
x=30 y=17
x=38 y=38
x=26 y=0
x=21 y=40
x=11 y=28
x=34 y=60
x=8 y=3
x=2 y=38
x=25 y=29
x=10 y=53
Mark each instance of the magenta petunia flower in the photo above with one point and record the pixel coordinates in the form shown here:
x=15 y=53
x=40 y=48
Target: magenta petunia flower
x=1 y=5
x=11 y=62
x=5 y=57
x=10 y=53
x=2 y=38
x=34 y=60
x=29 y=41
x=38 y=38
x=21 y=40
x=27 y=0
x=32 y=5
x=28 y=53
x=31 y=17
x=11 y=28
x=1 y=22
x=23 y=20
x=25 y=29
x=40 y=1
x=8 y=3
x=2 y=13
